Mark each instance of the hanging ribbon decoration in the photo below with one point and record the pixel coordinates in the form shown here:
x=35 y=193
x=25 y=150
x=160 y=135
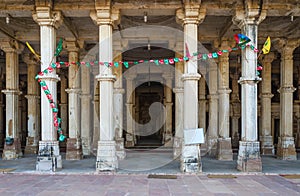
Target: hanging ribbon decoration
x=242 y=42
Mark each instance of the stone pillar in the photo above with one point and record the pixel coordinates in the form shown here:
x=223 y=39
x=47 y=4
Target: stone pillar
x=178 y=90
x=212 y=134
x=266 y=138
x=118 y=108
x=74 y=146
x=12 y=150
x=130 y=114
x=48 y=21
x=286 y=144
x=202 y=109
x=224 y=149
x=33 y=121
x=249 y=159
x=1 y=112
x=191 y=16
x=235 y=110
x=168 y=135
x=63 y=101
x=86 y=116
x=106 y=153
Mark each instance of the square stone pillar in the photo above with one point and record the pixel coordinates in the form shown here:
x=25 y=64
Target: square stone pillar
x=33 y=106
x=266 y=138
x=107 y=160
x=224 y=149
x=48 y=21
x=286 y=144
x=12 y=144
x=168 y=135
x=74 y=145
x=249 y=159
x=130 y=112
x=191 y=16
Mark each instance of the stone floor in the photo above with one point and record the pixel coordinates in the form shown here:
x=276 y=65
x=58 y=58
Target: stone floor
x=151 y=161
x=218 y=178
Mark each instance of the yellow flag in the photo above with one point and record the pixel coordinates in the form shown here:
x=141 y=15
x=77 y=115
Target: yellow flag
x=267 y=46
x=32 y=50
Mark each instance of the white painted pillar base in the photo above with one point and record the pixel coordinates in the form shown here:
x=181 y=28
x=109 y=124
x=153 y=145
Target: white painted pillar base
x=190 y=159
x=177 y=147
x=177 y=142
x=249 y=157
x=266 y=144
x=48 y=150
x=286 y=148
x=106 y=156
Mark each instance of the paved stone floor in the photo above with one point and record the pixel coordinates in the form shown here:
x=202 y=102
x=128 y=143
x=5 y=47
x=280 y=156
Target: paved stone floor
x=79 y=177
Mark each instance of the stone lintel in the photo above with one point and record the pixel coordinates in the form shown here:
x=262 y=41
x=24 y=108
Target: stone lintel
x=192 y=13
x=286 y=148
x=249 y=159
x=224 y=149
x=106 y=156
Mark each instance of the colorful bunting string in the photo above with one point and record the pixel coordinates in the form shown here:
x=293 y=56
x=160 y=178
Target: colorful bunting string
x=242 y=42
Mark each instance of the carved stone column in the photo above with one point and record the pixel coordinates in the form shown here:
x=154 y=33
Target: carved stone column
x=2 y=124
x=202 y=108
x=224 y=149
x=74 y=145
x=118 y=108
x=178 y=90
x=106 y=153
x=168 y=136
x=286 y=144
x=33 y=106
x=266 y=137
x=130 y=112
x=212 y=135
x=48 y=21
x=248 y=19
x=191 y=16
x=235 y=110
x=63 y=101
x=12 y=150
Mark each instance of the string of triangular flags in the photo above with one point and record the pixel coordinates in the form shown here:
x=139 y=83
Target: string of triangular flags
x=241 y=40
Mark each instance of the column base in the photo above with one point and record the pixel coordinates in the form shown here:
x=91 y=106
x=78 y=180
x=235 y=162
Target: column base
x=129 y=140
x=177 y=147
x=48 y=158
x=212 y=146
x=86 y=146
x=224 y=149
x=190 y=161
x=74 y=149
x=266 y=145
x=168 y=140
x=249 y=159
x=121 y=154
x=12 y=151
x=106 y=156
x=31 y=147
x=286 y=148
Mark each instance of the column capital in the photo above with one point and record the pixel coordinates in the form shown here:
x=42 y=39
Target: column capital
x=269 y=58
x=110 y=78
x=11 y=91
x=71 y=45
x=246 y=80
x=29 y=59
x=191 y=76
x=178 y=90
x=105 y=15
x=224 y=91
x=10 y=45
x=192 y=13
x=45 y=16
x=251 y=13
x=73 y=90
x=30 y=96
x=286 y=47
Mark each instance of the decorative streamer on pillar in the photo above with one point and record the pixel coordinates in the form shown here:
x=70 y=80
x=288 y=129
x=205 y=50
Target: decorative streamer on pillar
x=242 y=42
